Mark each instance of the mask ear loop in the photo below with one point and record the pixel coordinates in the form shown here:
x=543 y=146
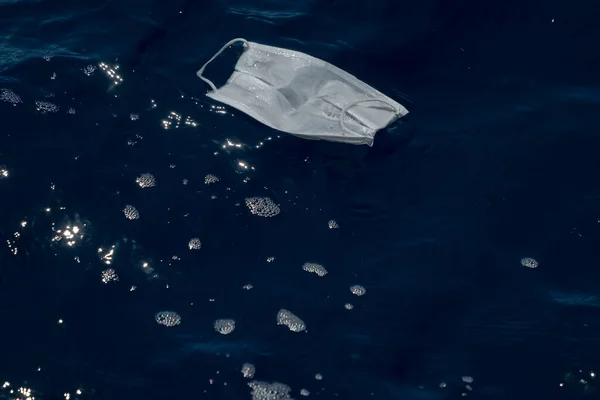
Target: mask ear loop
x=201 y=70
x=354 y=103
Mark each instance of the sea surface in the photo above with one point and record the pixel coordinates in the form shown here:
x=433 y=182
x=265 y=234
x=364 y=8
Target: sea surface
x=156 y=244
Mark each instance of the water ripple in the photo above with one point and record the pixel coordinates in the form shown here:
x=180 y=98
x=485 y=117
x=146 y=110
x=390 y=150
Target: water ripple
x=268 y=16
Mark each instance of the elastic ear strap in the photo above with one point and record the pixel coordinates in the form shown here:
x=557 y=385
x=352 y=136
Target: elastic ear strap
x=354 y=103
x=201 y=70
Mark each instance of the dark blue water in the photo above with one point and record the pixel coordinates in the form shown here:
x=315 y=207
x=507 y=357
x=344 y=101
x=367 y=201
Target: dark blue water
x=497 y=161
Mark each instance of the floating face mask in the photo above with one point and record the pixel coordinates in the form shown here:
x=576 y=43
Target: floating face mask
x=303 y=95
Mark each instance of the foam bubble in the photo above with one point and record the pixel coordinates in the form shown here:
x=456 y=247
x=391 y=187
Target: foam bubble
x=529 y=262
x=289 y=319
x=269 y=391
x=131 y=212
x=9 y=96
x=146 y=180
x=109 y=275
x=315 y=269
x=168 y=318
x=358 y=290
x=262 y=206
x=208 y=179
x=45 y=107
x=248 y=370
x=224 y=326
x=195 y=244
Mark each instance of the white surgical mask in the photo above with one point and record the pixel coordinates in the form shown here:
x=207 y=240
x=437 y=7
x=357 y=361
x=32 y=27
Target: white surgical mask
x=303 y=95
